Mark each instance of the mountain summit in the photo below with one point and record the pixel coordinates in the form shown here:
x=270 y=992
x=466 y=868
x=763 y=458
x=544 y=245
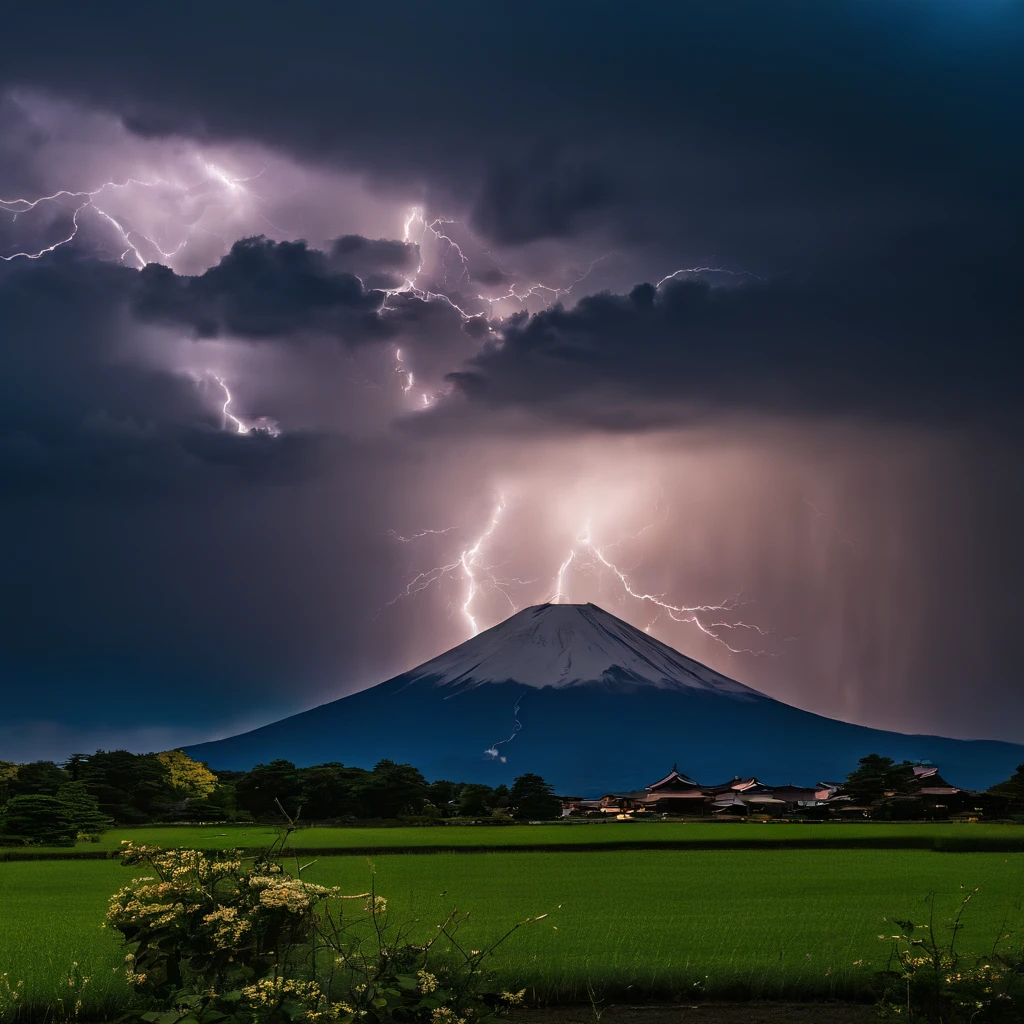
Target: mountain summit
x=562 y=645
x=592 y=704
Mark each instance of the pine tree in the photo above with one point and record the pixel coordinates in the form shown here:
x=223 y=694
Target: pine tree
x=878 y=777
x=81 y=807
x=36 y=818
x=532 y=797
x=1012 y=789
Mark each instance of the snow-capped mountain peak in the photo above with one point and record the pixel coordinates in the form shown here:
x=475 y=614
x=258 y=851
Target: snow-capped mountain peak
x=562 y=645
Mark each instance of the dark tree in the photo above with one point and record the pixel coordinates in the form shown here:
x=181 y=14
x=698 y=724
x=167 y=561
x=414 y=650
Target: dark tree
x=8 y=769
x=37 y=818
x=259 y=791
x=37 y=777
x=878 y=777
x=391 y=789
x=532 y=797
x=81 y=808
x=74 y=766
x=130 y=788
x=1012 y=790
x=475 y=800
x=441 y=794
x=328 y=790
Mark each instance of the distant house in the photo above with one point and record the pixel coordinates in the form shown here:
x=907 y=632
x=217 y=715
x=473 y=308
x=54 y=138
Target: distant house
x=798 y=796
x=931 y=782
x=678 y=794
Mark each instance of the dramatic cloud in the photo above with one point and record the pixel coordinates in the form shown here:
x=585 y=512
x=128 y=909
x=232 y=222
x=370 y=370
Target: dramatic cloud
x=262 y=289
x=379 y=263
x=899 y=345
x=81 y=410
x=317 y=348
x=753 y=138
x=543 y=197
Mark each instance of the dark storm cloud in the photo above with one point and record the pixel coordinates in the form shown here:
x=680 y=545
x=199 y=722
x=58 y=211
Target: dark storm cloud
x=932 y=344
x=378 y=263
x=263 y=289
x=78 y=411
x=275 y=292
x=753 y=133
x=864 y=158
x=540 y=196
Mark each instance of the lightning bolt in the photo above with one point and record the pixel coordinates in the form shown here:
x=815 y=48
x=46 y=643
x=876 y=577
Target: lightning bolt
x=585 y=556
x=421 y=533
x=690 y=614
x=89 y=200
x=492 y=751
x=706 y=270
x=476 y=577
x=239 y=426
x=470 y=563
x=229 y=421
x=418 y=230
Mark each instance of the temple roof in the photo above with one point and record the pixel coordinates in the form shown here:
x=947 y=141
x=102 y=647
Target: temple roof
x=674 y=779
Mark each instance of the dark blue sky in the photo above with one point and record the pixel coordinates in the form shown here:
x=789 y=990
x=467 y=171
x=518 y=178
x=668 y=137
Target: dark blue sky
x=716 y=304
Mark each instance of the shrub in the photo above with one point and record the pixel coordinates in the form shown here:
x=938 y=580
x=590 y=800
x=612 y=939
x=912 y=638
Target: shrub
x=930 y=981
x=35 y=818
x=215 y=938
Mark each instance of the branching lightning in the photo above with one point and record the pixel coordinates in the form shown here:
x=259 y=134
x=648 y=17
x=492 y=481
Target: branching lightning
x=89 y=200
x=585 y=556
x=690 y=614
x=228 y=416
x=229 y=421
x=475 y=574
x=492 y=751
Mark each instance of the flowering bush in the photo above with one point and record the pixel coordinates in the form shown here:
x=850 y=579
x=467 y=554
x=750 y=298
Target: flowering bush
x=216 y=938
x=932 y=982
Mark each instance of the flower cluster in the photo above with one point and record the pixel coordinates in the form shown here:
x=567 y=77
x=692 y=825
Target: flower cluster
x=10 y=993
x=211 y=934
x=446 y=1015
x=229 y=928
x=270 y=991
x=376 y=905
x=281 y=892
x=132 y=976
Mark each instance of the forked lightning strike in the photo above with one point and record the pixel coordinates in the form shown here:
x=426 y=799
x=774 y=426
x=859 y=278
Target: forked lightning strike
x=89 y=200
x=677 y=612
x=228 y=416
x=477 y=577
x=584 y=555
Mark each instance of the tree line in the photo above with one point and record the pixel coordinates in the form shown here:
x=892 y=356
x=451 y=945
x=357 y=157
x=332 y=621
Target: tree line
x=56 y=803
x=889 y=786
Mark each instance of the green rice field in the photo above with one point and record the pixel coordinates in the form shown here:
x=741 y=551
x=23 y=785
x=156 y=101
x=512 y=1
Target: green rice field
x=633 y=923
x=963 y=836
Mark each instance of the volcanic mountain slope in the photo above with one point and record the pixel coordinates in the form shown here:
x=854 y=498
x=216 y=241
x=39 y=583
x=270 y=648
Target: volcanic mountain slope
x=592 y=704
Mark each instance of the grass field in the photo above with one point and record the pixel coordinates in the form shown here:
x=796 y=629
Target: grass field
x=923 y=835
x=638 y=923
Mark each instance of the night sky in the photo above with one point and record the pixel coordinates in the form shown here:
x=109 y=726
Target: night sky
x=707 y=313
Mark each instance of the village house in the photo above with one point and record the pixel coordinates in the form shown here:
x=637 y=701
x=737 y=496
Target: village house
x=679 y=795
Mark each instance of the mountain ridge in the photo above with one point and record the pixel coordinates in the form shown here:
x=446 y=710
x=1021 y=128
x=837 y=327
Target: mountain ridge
x=562 y=645
x=620 y=707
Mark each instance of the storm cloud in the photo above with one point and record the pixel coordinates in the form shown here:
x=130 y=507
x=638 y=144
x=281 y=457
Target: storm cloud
x=298 y=310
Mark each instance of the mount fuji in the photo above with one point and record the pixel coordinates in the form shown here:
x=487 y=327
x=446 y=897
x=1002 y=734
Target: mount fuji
x=592 y=704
